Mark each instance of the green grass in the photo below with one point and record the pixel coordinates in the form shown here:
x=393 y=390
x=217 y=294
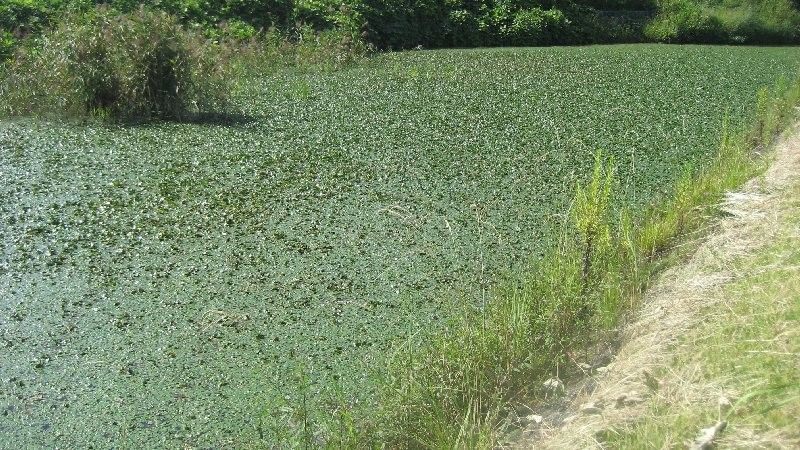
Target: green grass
x=747 y=351
x=340 y=214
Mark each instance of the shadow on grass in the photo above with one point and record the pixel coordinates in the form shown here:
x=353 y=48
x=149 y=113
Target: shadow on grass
x=224 y=119
x=217 y=119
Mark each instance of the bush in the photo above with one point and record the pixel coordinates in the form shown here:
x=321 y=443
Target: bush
x=320 y=14
x=405 y=24
x=260 y=13
x=7 y=44
x=235 y=29
x=463 y=30
x=682 y=21
x=24 y=16
x=332 y=48
x=742 y=22
x=536 y=26
x=773 y=21
x=302 y=49
x=127 y=67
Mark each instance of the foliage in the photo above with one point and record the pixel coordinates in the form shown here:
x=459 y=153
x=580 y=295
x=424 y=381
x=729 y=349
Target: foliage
x=7 y=44
x=26 y=16
x=683 y=21
x=536 y=26
x=454 y=390
x=20 y=18
x=130 y=66
x=686 y=21
x=405 y=24
x=304 y=49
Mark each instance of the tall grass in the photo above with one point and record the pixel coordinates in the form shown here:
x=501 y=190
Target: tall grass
x=303 y=48
x=734 y=21
x=459 y=387
x=119 y=66
x=145 y=64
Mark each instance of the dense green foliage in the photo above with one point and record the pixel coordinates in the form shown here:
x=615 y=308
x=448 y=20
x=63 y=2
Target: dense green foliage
x=434 y=23
x=122 y=66
x=168 y=280
x=728 y=21
x=403 y=24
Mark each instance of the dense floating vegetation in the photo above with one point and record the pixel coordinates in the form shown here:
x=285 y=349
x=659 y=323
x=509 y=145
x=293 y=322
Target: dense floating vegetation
x=169 y=279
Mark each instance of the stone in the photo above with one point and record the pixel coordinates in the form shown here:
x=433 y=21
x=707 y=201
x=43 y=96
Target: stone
x=591 y=408
x=534 y=418
x=650 y=381
x=553 y=385
x=705 y=439
x=628 y=399
x=724 y=403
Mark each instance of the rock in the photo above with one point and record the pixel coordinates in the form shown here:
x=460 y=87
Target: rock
x=553 y=385
x=724 y=403
x=591 y=408
x=650 y=381
x=705 y=439
x=534 y=418
x=628 y=399
x=512 y=437
x=523 y=410
x=584 y=367
x=602 y=369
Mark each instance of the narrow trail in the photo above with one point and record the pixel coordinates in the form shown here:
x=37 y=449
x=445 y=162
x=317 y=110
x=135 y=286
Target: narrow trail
x=612 y=397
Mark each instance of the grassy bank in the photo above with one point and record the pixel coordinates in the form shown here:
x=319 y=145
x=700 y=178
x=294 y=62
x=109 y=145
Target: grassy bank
x=459 y=388
x=740 y=365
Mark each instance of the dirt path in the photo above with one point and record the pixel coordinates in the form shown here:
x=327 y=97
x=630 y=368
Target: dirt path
x=622 y=392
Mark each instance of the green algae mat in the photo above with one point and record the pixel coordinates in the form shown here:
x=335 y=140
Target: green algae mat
x=161 y=285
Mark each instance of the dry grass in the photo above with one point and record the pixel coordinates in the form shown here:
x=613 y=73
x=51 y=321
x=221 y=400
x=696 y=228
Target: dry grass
x=682 y=318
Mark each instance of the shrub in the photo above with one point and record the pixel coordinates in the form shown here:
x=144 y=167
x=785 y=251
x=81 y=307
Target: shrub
x=462 y=23
x=302 y=49
x=405 y=23
x=764 y=22
x=320 y=14
x=24 y=16
x=463 y=29
x=260 y=13
x=7 y=44
x=326 y=48
x=128 y=67
x=535 y=26
x=682 y=21
x=235 y=29
x=773 y=21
